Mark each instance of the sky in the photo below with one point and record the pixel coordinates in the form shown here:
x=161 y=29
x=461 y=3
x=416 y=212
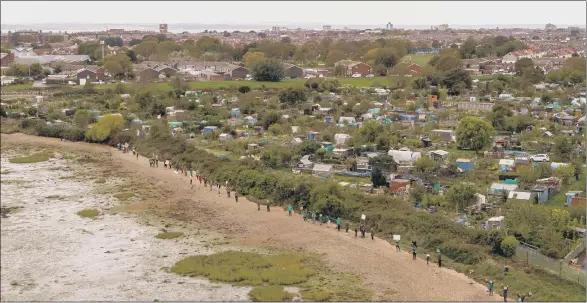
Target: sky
x=296 y=12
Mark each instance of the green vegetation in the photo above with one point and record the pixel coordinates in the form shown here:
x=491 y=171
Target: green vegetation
x=270 y=293
x=317 y=282
x=34 y=158
x=88 y=213
x=169 y=235
x=124 y=196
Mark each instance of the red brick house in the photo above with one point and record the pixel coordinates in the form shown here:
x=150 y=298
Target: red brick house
x=6 y=59
x=354 y=67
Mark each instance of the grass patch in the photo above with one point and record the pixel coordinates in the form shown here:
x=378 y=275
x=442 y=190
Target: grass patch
x=270 y=293
x=5 y=172
x=34 y=158
x=316 y=281
x=17 y=182
x=67 y=177
x=246 y=268
x=420 y=59
x=17 y=87
x=88 y=213
x=124 y=196
x=169 y=235
x=53 y=197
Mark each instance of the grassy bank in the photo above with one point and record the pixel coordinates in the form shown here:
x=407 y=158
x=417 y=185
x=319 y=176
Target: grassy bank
x=270 y=273
x=34 y=158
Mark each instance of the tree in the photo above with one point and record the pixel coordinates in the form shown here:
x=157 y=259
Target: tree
x=268 y=70
x=386 y=56
x=420 y=83
x=424 y=165
x=563 y=147
x=468 y=48
x=576 y=64
x=499 y=115
x=146 y=49
x=132 y=56
x=269 y=118
x=380 y=70
x=333 y=57
x=244 y=89
x=456 y=81
x=105 y=128
x=474 y=133
x=251 y=58
x=120 y=65
x=523 y=64
x=82 y=118
x=461 y=195
x=417 y=193
x=370 y=130
x=378 y=178
x=508 y=246
x=292 y=96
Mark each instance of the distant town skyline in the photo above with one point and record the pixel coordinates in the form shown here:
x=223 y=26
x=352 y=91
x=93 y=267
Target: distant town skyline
x=285 y=13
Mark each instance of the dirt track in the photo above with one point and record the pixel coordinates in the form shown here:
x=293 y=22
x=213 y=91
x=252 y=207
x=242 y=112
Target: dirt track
x=377 y=261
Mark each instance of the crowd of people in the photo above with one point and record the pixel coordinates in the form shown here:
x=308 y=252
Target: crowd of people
x=306 y=214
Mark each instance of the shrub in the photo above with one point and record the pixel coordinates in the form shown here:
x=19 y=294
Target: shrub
x=508 y=246
x=244 y=89
x=88 y=213
x=463 y=252
x=271 y=293
x=169 y=235
x=317 y=294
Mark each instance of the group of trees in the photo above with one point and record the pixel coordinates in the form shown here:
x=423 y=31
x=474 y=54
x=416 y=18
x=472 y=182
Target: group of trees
x=497 y=46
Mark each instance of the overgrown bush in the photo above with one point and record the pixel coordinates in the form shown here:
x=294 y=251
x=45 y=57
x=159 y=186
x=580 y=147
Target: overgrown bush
x=508 y=246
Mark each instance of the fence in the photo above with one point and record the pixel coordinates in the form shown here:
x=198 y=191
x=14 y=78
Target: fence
x=557 y=267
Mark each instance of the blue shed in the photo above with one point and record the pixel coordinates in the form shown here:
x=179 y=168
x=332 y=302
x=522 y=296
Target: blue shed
x=465 y=164
x=208 y=130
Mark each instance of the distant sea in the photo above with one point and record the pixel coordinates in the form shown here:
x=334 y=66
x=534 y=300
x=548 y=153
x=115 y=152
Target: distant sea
x=196 y=28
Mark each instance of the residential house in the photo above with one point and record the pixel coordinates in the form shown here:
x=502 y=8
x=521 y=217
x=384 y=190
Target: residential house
x=292 y=71
x=59 y=79
x=6 y=59
x=354 y=67
x=238 y=73
x=404 y=156
x=208 y=75
x=85 y=74
x=167 y=71
x=305 y=162
x=147 y=75
x=340 y=139
x=322 y=170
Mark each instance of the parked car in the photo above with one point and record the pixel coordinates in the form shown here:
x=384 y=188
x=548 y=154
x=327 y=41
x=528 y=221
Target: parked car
x=540 y=158
x=370 y=76
x=356 y=76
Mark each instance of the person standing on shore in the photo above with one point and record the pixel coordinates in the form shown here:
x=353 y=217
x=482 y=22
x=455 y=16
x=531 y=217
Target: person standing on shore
x=289 y=209
x=373 y=233
x=397 y=248
x=413 y=252
x=338 y=224
x=268 y=207
x=313 y=217
x=490 y=287
x=505 y=293
x=427 y=259
x=346 y=227
x=137 y=153
x=320 y=219
x=304 y=215
x=236 y=198
x=355 y=231
x=439 y=260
